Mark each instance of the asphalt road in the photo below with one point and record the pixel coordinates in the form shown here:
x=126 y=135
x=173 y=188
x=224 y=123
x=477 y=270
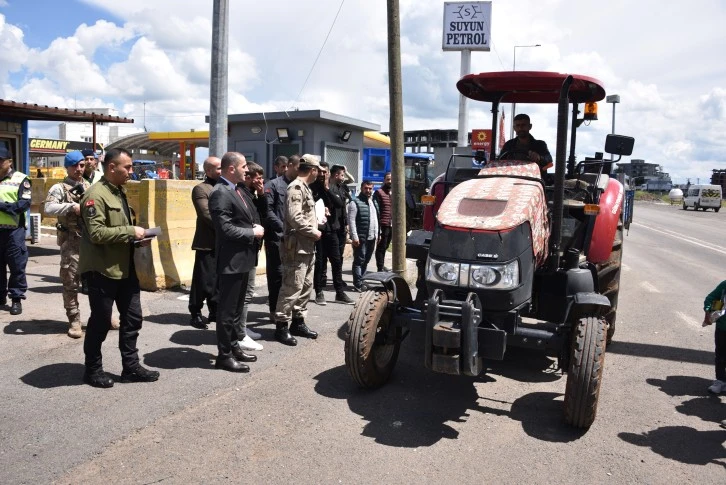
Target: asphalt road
x=297 y=416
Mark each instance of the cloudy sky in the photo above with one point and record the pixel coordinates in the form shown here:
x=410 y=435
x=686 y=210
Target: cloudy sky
x=664 y=59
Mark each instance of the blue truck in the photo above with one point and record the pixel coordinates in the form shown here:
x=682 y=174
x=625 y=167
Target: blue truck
x=418 y=173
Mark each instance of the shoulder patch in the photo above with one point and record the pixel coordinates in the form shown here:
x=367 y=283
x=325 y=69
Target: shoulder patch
x=26 y=184
x=90 y=202
x=91 y=211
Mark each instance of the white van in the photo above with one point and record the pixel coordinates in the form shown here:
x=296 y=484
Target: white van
x=703 y=197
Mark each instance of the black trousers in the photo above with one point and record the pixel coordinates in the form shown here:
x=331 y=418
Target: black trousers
x=204 y=283
x=328 y=249
x=386 y=236
x=273 y=268
x=232 y=288
x=720 y=355
x=103 y=292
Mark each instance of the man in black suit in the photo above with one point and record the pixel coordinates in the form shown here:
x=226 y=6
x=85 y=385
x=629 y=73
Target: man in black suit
x=204 y=276
x=233 y=216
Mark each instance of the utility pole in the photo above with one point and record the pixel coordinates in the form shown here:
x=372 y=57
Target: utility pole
x=218 y=89
x=395 y=95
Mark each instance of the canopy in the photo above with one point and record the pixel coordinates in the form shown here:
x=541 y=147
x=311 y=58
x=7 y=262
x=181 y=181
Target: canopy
x=528 y=87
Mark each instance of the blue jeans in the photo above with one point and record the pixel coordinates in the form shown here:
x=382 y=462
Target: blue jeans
x=361 y=256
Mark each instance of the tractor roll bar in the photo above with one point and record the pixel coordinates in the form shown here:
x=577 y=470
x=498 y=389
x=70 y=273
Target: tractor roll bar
x=559 y=195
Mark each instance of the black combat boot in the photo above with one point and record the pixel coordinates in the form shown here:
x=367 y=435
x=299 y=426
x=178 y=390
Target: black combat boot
x=197 y=321
x=299 y=329
x=16 y=308
x=282 y=335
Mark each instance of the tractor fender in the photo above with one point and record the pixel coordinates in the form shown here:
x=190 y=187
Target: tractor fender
x=606 y=223
x=587 y=303
x=394 y=283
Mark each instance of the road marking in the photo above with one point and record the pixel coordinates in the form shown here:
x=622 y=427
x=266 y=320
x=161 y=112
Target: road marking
x=689 y=320
x=684 y=238
x=183 y=298
x=648 y=287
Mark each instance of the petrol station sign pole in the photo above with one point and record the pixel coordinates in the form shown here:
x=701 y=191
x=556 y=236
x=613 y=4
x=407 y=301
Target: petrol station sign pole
x=467 y=27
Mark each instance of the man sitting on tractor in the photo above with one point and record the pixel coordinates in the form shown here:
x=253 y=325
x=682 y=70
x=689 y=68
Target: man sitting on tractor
x=525 y=145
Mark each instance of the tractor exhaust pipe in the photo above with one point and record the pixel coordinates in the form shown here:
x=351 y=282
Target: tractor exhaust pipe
x=560 y=161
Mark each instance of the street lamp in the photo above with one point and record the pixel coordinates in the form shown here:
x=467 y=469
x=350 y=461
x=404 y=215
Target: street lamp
x=614 y=99
x=514 y=68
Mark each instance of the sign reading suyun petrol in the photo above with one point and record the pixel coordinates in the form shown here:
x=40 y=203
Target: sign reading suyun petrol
x=467 y=25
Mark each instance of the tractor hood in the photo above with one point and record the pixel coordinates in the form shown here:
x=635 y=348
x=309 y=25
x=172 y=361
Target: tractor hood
x=500 y=203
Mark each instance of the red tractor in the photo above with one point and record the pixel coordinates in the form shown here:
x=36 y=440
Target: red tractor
x=509 y=256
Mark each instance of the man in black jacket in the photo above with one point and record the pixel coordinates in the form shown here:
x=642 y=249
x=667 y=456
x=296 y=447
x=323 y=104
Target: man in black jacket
x=235 y=230
x=275 y=193
x=204 y=275
x=525 y=147
x=328 y=247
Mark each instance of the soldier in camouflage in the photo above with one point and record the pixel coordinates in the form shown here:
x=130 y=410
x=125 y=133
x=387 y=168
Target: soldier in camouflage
x=63 y=202
x=298 y=254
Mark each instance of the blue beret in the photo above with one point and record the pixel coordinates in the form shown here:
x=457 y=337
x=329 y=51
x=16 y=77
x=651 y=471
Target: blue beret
x=87 y=152
x=72 y=158
x=4 y=153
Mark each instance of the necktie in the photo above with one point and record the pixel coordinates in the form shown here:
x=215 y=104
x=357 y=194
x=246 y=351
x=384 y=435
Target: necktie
x=239 y=192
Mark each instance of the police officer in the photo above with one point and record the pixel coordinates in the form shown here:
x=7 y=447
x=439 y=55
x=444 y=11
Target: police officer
x=107 y=263
x=275 y=193
x=298 y=254
x=64 y=202
x=14 y=201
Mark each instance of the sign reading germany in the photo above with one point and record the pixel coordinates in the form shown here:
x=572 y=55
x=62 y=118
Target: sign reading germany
x=61 y=147
x=467 y=26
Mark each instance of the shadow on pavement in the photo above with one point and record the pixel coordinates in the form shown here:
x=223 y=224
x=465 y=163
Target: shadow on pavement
x=414 y=407
x=665 y=352
x=36 y=327
x=542 y=417
x=681 y=385
x=55 y=375
x=168 y=318
x=46 y=290
x=179 y=358
x=42 y=250
x=194 y=337
x=46 y=278
x=682 y=444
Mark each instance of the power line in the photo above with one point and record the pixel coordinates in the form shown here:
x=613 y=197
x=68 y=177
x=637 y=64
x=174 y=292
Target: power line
x=319 y=52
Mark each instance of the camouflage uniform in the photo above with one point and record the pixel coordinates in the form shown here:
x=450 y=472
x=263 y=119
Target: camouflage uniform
x=297 y=253
x=60 y=203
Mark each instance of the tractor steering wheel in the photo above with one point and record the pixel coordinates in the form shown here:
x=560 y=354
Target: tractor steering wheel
x=513 y=155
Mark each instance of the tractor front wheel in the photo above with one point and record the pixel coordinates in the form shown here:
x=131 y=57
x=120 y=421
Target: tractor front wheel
x=584 y=375
x=370 y=350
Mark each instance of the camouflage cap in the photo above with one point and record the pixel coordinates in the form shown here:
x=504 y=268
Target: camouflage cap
x=310 y=160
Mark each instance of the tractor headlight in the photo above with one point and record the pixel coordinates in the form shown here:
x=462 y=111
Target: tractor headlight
x=495 y=276
x=442 y=272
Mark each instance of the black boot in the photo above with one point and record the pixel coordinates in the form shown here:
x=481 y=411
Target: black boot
x=16 y=308
x=229 y=363
x=282 y=335
x=197 y=321
x=97 y=378
x=299 y=329
x=242 y=356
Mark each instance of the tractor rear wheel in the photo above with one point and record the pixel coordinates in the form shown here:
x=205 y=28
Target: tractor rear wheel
x=608 y=279
x=585 y=373
x=369 y=357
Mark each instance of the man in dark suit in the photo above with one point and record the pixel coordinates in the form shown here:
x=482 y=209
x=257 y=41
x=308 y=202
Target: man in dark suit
x=204 y=276
x=235 y=230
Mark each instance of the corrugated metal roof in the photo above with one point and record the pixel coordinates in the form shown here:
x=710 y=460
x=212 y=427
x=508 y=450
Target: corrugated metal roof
x=48 y=113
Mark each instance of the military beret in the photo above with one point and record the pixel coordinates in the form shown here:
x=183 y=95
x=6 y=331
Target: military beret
x=72 y=158
x=87 y=152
